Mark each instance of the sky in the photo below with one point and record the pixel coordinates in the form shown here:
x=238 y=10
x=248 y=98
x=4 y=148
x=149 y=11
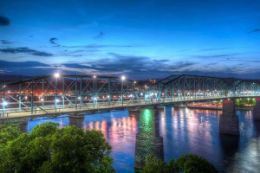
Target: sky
x=143 y=39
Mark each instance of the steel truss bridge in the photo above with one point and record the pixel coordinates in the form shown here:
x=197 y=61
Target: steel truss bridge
x=73 y=93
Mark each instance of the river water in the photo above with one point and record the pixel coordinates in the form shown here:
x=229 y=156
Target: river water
x=183 y=131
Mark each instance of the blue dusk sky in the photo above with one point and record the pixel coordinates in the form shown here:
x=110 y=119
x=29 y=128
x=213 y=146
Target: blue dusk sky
x=143 y=39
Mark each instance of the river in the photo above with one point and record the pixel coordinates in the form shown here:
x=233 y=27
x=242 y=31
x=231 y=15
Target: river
x=183 y=131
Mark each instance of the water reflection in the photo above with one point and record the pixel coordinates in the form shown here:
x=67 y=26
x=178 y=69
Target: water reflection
x=119 y=128
x=148 y=139
x=183 y=131
x=186 y=131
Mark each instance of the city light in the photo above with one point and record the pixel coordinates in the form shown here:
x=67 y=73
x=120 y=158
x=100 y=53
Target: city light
x=57 y=100
x=94 y=76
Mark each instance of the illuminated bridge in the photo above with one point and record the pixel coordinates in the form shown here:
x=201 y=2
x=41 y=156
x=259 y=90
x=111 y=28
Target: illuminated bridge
x=78 y=93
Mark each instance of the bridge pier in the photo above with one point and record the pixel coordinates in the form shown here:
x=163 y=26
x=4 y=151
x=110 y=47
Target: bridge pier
x=256 y=111
x=76 y=119
x=228 y=123
x=23 y=125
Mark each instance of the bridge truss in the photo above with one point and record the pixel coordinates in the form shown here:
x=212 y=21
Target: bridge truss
x=67 y=93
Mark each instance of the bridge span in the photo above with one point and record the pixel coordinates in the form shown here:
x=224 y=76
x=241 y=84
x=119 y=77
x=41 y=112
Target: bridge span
x=60 y=94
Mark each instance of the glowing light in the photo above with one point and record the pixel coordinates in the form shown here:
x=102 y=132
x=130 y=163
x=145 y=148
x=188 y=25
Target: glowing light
x=4 y=103
x=94 y=76
x=79 y=98
x=57 y=100
x=123 y=78
x=56 y=75
x=42 y=99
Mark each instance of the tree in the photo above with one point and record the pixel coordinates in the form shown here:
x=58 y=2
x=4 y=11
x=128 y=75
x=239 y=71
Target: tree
x=8 y=133
x=154 y=165
x=185 y=164
x=48 y=149
x=194 y=164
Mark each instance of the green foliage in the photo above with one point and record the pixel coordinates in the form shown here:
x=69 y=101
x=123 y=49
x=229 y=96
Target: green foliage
x=185 y=164
x=8 y=133
x=154 y=165
x=194 y=164
x=48 y=149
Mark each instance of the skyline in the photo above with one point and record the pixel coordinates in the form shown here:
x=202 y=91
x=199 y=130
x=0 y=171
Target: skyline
x=141 y=39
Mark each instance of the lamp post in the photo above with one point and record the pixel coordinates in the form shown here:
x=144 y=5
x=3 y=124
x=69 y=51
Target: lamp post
x=56 y=75
x=123 y=78
x=4 y=104
x=95 y=90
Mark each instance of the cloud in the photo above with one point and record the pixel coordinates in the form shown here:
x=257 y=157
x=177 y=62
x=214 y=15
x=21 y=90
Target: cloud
x=53 y=41
x=5 y=42
x=118 y=62
x=99 y=35
x=25 y=64
x=26 y=51
x=212 y=49
x=131 y=65
x=99 y=46
x=255 y=30
x=135 y=67
x=4 y=21
x=25 y=68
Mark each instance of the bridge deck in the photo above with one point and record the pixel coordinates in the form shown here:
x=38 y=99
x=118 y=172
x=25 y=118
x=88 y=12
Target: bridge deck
x=113 y=105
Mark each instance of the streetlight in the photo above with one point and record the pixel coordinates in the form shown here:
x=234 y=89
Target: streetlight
x=94 y=88
x=56 y=75
x=123 y=78
x=57 y=101
x=4 y=104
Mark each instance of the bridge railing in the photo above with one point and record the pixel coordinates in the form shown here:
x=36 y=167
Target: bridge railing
x=50 y=109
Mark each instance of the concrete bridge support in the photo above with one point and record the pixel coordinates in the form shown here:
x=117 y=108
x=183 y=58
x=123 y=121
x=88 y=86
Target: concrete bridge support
x=228 y=123
x=256 y=111
x=76 y=119
x=23 y=125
